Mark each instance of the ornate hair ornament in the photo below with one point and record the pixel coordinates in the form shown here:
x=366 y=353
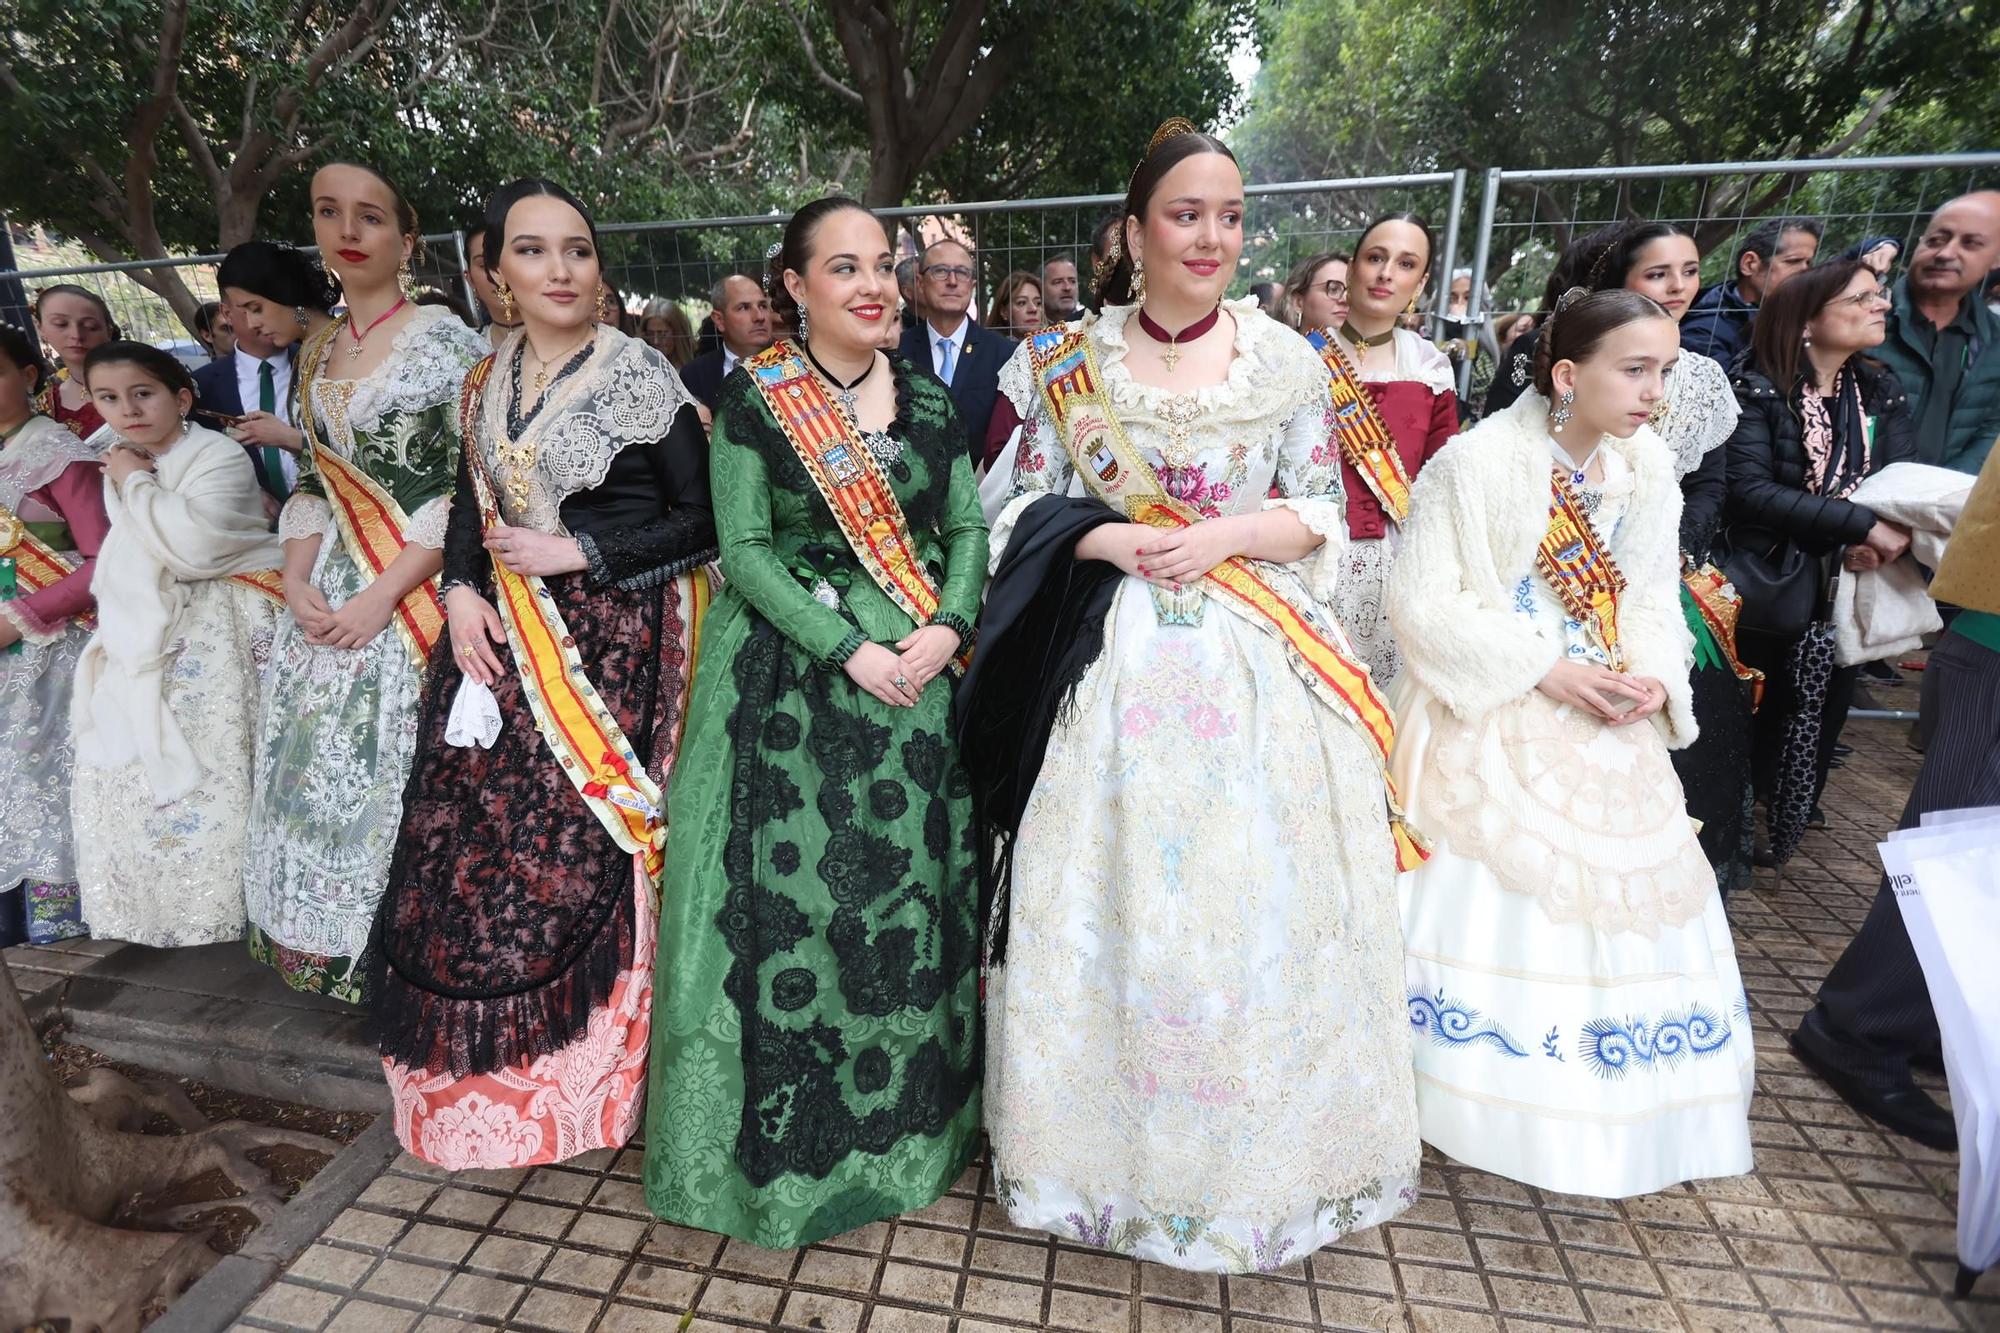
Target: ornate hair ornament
x=1616 y=239
x=1172 y=128
x=770 y=274
x=1563 y=302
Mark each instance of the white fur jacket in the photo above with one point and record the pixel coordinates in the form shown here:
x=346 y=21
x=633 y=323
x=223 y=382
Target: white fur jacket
x=1478 y=511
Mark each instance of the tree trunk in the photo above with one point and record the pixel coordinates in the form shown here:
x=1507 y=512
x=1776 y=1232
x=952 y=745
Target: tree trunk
x=69 y=1173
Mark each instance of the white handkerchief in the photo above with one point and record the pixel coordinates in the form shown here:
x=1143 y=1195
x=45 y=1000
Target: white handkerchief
x=475 y=716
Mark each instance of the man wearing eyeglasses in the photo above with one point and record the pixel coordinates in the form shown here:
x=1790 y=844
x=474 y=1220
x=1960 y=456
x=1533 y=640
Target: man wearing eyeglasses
x=965 y=356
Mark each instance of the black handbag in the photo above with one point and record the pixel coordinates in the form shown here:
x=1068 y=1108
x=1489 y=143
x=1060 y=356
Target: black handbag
x=1782 y=588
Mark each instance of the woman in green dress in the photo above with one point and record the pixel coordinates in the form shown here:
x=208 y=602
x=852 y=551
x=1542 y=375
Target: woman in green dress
x=815 y=1061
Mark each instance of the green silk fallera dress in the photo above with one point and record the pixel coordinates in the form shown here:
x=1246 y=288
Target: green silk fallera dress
x=815 y=1059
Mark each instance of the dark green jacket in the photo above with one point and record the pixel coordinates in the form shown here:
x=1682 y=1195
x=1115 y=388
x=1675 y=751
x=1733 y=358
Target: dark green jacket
x=1975 y=412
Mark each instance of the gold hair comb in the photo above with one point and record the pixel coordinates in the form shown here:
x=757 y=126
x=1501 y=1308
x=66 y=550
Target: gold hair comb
x=1173 y=128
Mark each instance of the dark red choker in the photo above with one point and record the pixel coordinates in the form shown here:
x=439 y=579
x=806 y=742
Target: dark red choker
x=1158 y=334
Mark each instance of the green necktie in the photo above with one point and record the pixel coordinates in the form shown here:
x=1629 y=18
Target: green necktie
x=267 y=401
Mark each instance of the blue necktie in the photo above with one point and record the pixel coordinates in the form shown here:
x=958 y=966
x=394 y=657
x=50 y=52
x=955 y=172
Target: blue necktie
x=945 y=366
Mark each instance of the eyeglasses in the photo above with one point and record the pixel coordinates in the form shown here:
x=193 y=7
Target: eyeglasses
x=1332 y=290
x=1861 y=300
x=958 y=271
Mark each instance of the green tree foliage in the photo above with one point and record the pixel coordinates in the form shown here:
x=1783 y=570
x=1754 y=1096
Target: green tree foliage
x=1364 y=87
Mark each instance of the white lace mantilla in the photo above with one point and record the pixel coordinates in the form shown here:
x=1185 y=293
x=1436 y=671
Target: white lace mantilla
x=37 y=456
x=425 y=366
x=626 y=394
x=1701 y=410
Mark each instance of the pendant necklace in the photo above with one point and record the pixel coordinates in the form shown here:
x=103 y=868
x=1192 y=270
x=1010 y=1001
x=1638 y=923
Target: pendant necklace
x=843 y=393
x=1158 y=333
x=542 y=366
x=354 y=347
x=1577 y=471
x=1366 y=341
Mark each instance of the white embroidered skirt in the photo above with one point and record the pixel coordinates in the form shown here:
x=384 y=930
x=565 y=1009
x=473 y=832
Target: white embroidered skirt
x=1577 y=1016
x=1195 y=1051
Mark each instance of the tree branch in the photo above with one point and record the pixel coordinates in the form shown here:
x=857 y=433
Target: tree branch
x=827 y=80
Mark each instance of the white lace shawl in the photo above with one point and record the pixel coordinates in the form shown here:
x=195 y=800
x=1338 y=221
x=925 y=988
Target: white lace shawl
x=1701 y=410
x=36 y=457
x=626 y=394
x=425 y=366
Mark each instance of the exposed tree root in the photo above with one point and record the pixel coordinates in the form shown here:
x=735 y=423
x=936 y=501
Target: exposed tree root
x=83 y=1200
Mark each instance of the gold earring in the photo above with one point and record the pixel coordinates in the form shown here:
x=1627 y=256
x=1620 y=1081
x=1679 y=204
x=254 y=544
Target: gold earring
x=604 y=307
x=1138 y=281
x=1411 y=308
x=405 y=279
x=506 y=295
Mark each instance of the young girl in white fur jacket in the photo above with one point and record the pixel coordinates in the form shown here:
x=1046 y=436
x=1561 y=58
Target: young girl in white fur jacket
x=1579 y=1021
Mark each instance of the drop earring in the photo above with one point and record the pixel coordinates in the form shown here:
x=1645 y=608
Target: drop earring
x=1560 y=417
x=804 y=324
x=299 y=313
x=1138 y=281
x=605 y=309
x=406 y=279
x=1411 y=308
x=506 y=295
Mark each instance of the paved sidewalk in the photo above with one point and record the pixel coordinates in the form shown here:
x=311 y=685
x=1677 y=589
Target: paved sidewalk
x=1839 y=1226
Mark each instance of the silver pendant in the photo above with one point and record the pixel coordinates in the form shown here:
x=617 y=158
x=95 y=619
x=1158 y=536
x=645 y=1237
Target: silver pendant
x=826 y=594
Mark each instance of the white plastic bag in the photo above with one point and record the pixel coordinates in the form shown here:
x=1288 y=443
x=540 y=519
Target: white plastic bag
x=1946 y=876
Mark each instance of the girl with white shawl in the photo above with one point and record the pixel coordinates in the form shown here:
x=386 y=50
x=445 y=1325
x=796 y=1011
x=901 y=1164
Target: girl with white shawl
x=1578 y=1017
x=165 y=707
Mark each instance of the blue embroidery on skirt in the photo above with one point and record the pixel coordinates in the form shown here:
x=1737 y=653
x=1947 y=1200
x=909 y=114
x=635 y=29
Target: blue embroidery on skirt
x=1611 y=1046
x=1453 y=1024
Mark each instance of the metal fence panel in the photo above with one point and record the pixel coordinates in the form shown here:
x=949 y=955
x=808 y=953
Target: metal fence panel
x=1527 y=217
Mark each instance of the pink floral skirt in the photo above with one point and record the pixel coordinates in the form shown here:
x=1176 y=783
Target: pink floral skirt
x=590 y=1094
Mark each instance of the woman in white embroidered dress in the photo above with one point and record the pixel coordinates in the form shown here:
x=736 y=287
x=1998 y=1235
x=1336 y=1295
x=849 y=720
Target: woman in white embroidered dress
x=1579 y=1020
x=1196 y=1049
x=165 y=710
x=380 y=388
x=1412 y=385
x=51 y=490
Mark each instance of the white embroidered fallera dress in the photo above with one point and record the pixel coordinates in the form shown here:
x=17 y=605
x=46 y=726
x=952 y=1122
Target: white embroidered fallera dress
x=1578 y=1017
x=159 y=852
x=339 y=725
x=1196 y=1050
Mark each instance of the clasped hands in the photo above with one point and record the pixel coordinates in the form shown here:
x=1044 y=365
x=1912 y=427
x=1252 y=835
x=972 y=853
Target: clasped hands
x=897 y=678
x=476 y=630
x=1167 y=557
x=1603 y=693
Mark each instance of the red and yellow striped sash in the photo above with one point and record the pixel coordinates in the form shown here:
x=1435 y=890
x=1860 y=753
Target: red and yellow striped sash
x=269 y=582
x=1364 y=438
x=849 y=479
x=1119 y=474
x=573 y=718
x=1580 y=570
x=37 y=565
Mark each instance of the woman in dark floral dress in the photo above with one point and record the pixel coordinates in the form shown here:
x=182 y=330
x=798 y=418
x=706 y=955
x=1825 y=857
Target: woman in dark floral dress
x=815 y=1052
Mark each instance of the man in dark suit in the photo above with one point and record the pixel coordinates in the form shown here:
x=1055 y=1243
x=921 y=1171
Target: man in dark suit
x=951 y=346
x=743 y=317
x=254 y=377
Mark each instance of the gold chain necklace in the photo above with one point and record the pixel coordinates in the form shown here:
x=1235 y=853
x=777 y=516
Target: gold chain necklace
x=542 y=366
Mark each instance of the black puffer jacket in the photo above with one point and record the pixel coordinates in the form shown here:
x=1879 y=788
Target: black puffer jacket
x=1768 y=501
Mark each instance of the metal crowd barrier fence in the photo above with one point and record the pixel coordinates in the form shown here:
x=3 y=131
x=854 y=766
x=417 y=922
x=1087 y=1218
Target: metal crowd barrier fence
x=681 y=260
x=1527 y=217
x=131 y=289
x=1288 y=220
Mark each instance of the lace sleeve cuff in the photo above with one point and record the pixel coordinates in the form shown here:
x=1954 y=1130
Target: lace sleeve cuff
x=427 y=525
x=304 y=516
x=601 y=574
x=845 y=649
x=29 y=626
x=1321 y=568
